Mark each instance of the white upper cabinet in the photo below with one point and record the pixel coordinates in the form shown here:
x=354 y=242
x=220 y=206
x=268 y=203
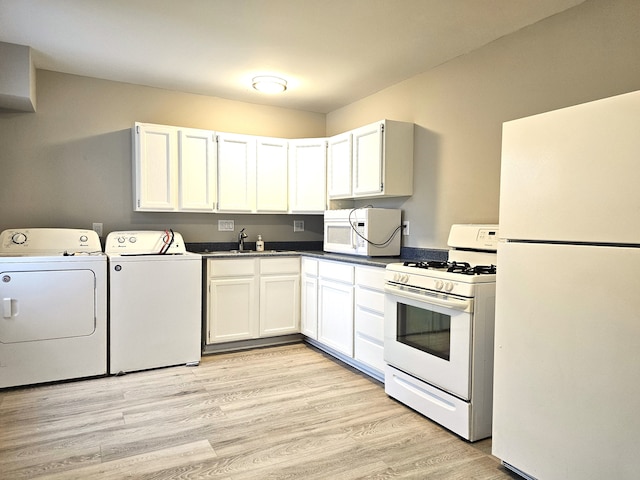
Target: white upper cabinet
x=382 y=155
x=252 y=174
x=155 y=168
x=189 y=170
x=271 y=177
x=339 y=168
x=174 y=169
x=368 y=159
x=371 y=161
x=307 y=175
x=236 y=173
x=197 y=170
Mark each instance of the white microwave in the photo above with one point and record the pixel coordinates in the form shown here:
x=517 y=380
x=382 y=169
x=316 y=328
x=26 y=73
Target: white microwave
x=371 y=232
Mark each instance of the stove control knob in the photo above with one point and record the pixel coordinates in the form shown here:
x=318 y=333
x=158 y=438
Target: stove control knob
x=400 y=277
x=18 y=238
x=448 y=286
x=405 y=278
x=439 y=284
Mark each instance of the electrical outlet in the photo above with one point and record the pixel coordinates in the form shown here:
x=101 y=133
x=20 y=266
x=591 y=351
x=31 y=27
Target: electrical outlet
x=298 y=225
x=97 y=227
x=405 y=228
x=226 y=226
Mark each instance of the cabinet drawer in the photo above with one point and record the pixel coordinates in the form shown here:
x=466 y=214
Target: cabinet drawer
x=278 y=265
x=370 y=299
x=369 y=352
x=370 y=324
x=340 y=272
x=310 y=267
x=232 y=267
x=372 y=277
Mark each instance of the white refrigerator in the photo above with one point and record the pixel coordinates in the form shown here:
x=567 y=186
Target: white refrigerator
x=567 y=333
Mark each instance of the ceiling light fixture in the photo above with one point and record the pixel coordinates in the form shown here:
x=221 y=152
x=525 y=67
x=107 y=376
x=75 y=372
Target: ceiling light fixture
x=269 y=84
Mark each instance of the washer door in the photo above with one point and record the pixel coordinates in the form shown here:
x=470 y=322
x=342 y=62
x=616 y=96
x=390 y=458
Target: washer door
x=47 y=304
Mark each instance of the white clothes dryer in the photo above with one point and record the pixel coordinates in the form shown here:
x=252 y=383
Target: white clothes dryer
x=53 y=306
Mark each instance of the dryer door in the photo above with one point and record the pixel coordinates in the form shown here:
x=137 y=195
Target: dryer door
x=46 y=304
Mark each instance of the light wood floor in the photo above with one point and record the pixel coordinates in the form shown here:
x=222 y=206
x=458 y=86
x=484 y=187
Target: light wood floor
x=274 y=413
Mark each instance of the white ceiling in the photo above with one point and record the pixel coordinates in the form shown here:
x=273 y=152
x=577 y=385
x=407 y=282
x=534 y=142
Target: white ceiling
x=333 y=52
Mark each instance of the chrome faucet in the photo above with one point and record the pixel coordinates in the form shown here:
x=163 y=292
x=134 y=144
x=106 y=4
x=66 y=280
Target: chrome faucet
x=241 y=237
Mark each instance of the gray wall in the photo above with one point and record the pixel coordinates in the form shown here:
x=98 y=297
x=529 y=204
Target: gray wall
x=588 y=52
x=69 y=164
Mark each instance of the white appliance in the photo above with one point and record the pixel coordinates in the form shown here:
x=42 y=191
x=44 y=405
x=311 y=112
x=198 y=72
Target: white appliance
x=155 y=298
x=363 y=231
x=438 y=332
x=53 y=311
x=567 y=361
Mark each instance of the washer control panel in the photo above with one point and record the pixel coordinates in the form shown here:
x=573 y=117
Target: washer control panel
x=145 y=242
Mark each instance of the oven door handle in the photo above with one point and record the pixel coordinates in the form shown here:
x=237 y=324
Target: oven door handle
x=441 y=300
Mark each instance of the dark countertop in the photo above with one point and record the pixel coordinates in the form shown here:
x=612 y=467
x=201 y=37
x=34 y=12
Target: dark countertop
x=311 y=249
x=338 y=257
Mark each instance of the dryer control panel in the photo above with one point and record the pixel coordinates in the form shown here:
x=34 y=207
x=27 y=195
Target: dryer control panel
x=49 y=242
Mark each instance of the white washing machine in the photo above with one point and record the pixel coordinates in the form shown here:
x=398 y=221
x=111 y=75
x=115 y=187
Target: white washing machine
x=155 y=301
x=53 y=310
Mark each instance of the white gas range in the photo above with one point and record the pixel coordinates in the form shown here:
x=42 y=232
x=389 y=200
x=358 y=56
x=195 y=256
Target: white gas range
x=439 y=321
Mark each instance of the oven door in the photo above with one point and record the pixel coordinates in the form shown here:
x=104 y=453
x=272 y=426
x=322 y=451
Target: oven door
x=429 y=337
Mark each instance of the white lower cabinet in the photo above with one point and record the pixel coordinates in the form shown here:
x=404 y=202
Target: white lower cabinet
x=335 y=305
x=279 y=296
x=369 y=317
x=232 y=308
x=342 y=309
x=309 y=298
x=251 y=298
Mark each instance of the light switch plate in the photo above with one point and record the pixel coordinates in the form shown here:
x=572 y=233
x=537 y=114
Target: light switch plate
x=97 y=227
x=298 y=225
x=226 y=225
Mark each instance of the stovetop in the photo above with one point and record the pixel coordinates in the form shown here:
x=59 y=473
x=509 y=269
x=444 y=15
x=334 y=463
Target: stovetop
x=463 y=268
x=455 y=278
x=472 y=261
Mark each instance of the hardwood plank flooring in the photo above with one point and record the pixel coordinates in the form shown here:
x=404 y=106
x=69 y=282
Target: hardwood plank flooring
x=282 y=412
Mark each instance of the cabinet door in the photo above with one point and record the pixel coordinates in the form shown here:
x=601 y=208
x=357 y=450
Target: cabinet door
x=197 y=178
x=309 y=306
x=307 y=176
x=369 y=317
x=272 y=175
x=335 y=315
x=367 y=159
x=279 y=305
x=339 y=180
x=232 y=309
x=155 y=167
x=236 y=173
x=309 y=298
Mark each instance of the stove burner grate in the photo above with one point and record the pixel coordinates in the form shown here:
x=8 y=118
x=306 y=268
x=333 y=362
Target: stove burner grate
x=463 y=268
